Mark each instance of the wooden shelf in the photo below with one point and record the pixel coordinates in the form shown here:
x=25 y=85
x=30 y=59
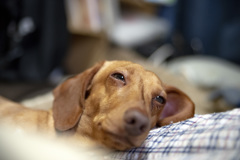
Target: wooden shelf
x=86 y=33
x=138 y=6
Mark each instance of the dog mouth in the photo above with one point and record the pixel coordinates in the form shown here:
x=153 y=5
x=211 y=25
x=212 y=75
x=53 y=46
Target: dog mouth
x=115 y=136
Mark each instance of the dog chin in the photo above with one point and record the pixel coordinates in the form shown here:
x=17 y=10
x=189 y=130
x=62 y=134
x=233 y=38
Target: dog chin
x=115 y=138
x=119 y=142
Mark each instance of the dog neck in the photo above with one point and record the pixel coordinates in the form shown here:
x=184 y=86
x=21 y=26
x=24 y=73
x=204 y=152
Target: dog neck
x=85 y=126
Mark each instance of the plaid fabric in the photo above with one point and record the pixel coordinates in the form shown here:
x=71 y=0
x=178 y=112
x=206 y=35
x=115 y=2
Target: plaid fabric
x=211 y=136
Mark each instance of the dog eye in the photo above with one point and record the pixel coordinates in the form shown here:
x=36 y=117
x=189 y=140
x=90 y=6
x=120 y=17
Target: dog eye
x=160 y=99
x=119 y=76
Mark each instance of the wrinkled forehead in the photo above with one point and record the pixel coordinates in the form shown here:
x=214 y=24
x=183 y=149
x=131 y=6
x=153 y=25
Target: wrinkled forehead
x=130 y=69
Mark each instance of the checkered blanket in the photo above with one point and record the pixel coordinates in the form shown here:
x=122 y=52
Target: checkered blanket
x=211 y=136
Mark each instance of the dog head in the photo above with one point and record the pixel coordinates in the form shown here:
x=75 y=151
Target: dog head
x=116 y=103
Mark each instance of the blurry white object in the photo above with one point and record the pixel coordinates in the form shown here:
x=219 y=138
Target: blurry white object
x=207 y=71
x=136 y=29
x=91 y=15
x=161 y=54
x=110 y=11
x=94 y=16
x=26 y=26
x=43 y=102
x=19 y=145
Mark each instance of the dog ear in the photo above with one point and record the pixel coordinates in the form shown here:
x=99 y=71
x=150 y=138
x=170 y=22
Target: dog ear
x=178 y=107
x=69 y=99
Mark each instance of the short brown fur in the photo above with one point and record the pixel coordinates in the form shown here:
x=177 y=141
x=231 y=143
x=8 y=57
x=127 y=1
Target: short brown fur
x=92 y=105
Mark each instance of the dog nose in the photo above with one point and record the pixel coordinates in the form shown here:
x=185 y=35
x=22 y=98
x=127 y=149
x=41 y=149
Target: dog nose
x=136 y=122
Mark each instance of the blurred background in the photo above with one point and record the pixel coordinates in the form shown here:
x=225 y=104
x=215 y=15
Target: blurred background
x=191 y=44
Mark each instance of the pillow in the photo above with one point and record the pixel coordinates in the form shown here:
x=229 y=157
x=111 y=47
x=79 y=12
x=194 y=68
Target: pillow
x=207 y=136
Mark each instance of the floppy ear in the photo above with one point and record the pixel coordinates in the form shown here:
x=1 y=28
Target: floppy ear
x=178 y=107
x=69 y=99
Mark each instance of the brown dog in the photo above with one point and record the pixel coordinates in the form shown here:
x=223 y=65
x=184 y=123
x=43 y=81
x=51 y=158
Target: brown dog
x=114 y=103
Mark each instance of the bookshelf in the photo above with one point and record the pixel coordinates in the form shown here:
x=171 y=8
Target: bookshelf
x=90 y=22
x=90 y=17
